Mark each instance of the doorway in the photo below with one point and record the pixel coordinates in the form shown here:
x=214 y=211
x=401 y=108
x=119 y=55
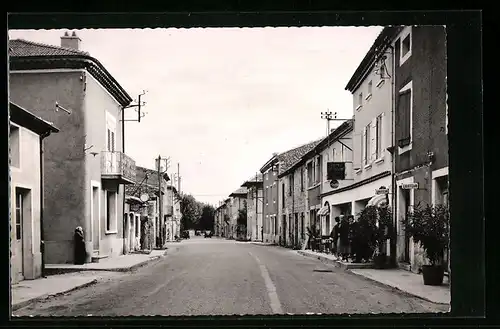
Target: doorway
x=22 y=219
x=296 y=230
x=96 y=222
x=406 y=209
x=131 y=231
x=283 y=224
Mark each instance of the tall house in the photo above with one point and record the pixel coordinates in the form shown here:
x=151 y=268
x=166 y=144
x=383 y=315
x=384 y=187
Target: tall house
x=238 y=205
x=85 y=169
x=371 y=87
x=254 y=207
x=421 y=128
x=270 y=208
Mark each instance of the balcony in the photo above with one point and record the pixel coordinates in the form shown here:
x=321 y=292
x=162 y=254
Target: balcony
x=117 y=167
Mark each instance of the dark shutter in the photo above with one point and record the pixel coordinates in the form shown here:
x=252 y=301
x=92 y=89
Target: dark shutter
x=335 y=170
x=403 y=126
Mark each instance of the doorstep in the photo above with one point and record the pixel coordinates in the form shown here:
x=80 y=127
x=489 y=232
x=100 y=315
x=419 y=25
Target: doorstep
x=333 y=260
x=122 y=263
x=408 y=282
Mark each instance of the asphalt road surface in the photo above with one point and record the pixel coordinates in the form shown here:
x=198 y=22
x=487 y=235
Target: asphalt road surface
x=223 y=277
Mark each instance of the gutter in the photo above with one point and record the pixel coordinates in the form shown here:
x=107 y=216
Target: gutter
x=42 y=242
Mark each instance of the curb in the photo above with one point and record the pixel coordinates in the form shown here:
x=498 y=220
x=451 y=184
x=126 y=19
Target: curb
x=263 y=244
x=25 y=303
x=337 y=263
x=403 y=292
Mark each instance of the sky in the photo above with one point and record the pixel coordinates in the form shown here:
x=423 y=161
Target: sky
x=221 y=101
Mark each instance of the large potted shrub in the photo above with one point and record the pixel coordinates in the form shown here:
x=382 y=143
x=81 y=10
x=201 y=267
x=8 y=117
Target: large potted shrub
x=363 y=234
x=383 y=232
x=429 y=226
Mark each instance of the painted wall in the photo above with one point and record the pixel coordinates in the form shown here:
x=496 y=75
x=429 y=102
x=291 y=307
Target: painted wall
x=378 y=102
x=97 y=102
x=254 y=213
x=271 y=204
x=26 y=175
x=64 y=159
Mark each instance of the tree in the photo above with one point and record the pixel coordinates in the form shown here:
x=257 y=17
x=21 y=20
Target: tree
x=191 y=212
x=207 y=217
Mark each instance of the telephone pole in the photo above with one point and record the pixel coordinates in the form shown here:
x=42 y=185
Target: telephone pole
x=179 y=178
x=160 y=197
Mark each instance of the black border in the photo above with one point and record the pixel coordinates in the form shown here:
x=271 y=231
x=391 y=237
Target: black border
x=465 y=133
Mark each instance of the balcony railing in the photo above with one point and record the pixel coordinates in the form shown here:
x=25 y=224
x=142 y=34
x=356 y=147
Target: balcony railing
x=117 y=166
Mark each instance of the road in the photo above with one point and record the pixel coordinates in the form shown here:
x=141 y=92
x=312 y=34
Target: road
x=223 y=277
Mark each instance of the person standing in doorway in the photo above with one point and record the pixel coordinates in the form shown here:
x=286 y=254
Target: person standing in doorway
x=335 y=235
x=80 y=250
x=344 y=238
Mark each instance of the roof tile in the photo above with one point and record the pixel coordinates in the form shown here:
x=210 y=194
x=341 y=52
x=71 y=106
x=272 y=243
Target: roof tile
x=25 y=48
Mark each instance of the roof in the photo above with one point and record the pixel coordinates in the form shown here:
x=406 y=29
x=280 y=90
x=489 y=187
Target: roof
x=290 y=157
x=29 y=55
x=320 y=145
x=145 y=184
x=30 y=121
x=380 y=44
x=239 y=192
x=254 y=180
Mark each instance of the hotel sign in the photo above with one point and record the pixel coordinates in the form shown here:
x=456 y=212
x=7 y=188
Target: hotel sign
x=409 y=186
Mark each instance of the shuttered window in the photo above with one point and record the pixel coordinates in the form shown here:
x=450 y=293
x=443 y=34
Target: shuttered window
x=367 y=144
x=379 y=133
x=404 y=117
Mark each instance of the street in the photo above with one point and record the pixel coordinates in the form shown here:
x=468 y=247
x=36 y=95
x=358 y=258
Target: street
x=225 y=277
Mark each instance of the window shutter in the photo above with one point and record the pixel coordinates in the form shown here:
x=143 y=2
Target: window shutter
x=363 y=146
x=109 y=139
x=404 y=116
x=373 y=139
x=383 y=134
x=112 y=141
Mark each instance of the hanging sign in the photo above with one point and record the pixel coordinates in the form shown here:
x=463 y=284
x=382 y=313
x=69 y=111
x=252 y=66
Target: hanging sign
x=334 y=183
x=335 y=170
x=382 y=190
x=409 y=186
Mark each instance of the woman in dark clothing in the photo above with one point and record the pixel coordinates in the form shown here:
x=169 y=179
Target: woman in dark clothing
x=80 y=250
x=335 y=235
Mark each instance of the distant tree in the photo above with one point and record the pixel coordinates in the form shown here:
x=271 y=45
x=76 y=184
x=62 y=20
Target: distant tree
x=207 y=217
x=191 y=212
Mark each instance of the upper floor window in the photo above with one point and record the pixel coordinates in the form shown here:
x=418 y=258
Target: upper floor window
x=110 y=133
x=14 y=146
x=370 y=88
x=318 y=170
x=310 y=175
x=302 y=179
x=366 y=144
x=378 y=135
x=360 y=100
x=290 y=184
x=404 y=116
x=405 y=46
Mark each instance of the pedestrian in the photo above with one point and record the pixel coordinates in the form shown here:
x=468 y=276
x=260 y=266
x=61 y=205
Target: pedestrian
x=80 y=250
x=334 y=234
x=344 y=238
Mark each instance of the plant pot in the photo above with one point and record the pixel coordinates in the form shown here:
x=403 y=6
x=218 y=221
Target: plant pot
x=433 y=275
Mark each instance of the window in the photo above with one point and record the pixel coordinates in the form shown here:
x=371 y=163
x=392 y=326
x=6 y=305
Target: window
x=283 y=195
x=110 y=133
x=366 y=143
x=14 y=146
x=378 y=132
x=19 y=214
x=302 y=179
x=302 y=233
x=275 y=225
x=111 y=212
x=403 y=118
x=309 y=174
x=318 y=171
x=405 y=46
x=290 y=184
x=360 y=100
x=370 y=87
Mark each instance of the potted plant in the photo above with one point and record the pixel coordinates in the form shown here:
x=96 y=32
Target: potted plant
x=363 y=234
x=429 y=226
x=383 y=232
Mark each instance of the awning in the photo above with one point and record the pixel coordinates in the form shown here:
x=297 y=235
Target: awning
x=325 y=211
x=378 y=201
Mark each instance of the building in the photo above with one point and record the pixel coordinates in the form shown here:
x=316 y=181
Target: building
x=371 y=86
x=226 y=217
x=254 y=207
x=238 y=214
x=293 y=201
x=147 y=183
x=26 y=137
x=421 y=132
x=53 y=80
x=173 y=212
x=270 y=207
x=335 y=175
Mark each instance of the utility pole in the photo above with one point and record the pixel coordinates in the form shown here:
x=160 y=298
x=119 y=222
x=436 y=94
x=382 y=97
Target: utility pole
x=179 y=178
x=160 y=197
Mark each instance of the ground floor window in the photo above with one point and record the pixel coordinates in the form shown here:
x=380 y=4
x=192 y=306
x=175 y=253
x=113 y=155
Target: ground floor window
x=275 y=225
x=111 y=211
x=302 y=228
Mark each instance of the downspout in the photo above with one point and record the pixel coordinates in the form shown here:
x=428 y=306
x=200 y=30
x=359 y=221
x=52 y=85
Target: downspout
x=42 y=242
x=393 y=243
x=123 y=186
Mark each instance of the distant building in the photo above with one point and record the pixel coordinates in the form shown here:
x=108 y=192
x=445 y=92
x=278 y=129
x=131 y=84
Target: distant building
x=85 y=169
x=238 y=205
x=254 y=207
x=26 y=138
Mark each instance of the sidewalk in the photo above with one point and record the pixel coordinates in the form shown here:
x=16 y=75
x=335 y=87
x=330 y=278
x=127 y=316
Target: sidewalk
x=405 y=281
x=408 y=282
x=259 y=243
x=333 y=260
x=122 y=263
x=72 y=277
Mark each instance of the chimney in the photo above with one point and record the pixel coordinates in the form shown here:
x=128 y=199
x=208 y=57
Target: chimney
x=72 y=41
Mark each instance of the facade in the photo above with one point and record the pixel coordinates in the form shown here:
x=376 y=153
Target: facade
x=26 y=136
x=86 y=152
x=226 y=217
x=421 y=148
x=173 y=213
x=270 y=207
x=254 y=207
x=238 y=204
x=293 y=199
x=371 y=87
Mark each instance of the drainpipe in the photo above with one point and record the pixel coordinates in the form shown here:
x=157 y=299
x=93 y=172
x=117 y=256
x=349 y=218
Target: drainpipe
x=123 y=186
x=42 y=242
x=393 y=243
